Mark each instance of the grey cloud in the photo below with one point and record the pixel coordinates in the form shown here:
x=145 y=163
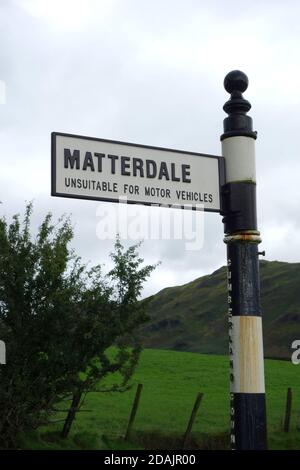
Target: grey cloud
x=152 y=73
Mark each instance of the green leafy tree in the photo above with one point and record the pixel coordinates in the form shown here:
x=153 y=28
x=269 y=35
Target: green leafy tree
x=116 y=322
x=59 y=320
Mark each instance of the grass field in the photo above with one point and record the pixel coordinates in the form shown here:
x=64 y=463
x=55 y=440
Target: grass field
x=171 y=381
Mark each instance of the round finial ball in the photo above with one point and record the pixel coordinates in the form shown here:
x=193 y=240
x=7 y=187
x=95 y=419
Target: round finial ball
x=236 y=81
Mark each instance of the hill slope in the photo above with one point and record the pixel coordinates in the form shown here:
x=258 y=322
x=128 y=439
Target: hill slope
x=193 y=317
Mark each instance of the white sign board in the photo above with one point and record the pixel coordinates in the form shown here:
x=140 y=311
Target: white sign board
x=105 y=170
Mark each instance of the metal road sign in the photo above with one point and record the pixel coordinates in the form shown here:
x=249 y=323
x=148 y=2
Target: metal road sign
x=106 y=170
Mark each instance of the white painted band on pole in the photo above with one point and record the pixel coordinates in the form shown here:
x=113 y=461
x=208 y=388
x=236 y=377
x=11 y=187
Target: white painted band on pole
x=239 y=153
x=247 y=354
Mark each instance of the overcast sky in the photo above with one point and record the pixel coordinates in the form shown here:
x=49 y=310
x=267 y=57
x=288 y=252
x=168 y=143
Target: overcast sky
x=150 y=72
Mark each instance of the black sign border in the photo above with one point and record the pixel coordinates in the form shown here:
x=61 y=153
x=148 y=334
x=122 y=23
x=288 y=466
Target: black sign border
x=221 y=167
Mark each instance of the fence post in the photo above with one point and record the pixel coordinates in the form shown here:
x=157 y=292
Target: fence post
x=133 y=411
x=71 y=414
x=288 y=410
x=191 y=420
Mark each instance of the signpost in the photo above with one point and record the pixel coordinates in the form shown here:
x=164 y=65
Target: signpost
x=247 y=385
x=106 y=170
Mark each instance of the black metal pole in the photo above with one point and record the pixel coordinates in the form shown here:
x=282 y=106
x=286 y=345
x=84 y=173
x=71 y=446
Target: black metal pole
x=247 y=387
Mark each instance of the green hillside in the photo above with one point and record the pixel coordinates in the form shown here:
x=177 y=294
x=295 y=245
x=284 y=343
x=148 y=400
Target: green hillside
x=193 y=317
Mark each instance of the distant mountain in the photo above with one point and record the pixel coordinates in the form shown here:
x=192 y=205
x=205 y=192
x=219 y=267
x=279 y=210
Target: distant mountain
x=193 y=317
